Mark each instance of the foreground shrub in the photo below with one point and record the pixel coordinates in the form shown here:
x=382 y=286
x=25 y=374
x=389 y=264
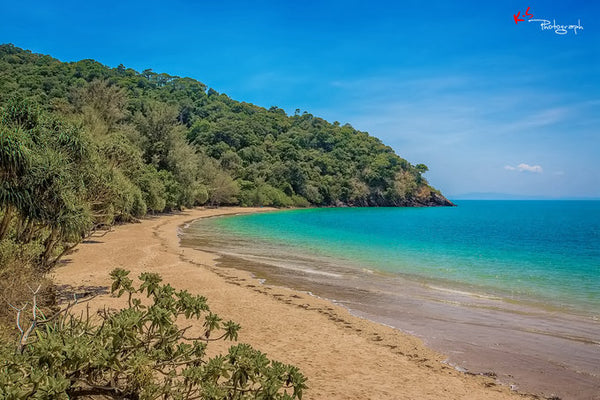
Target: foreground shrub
x=138 y=352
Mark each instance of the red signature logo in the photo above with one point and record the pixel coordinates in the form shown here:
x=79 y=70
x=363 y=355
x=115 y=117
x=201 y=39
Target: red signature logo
x=517 y=15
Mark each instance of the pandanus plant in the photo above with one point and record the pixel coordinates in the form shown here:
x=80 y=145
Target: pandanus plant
x=42 y=158
x=15 y=159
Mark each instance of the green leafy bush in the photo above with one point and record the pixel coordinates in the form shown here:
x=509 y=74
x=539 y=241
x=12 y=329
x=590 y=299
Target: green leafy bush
x=138 y=352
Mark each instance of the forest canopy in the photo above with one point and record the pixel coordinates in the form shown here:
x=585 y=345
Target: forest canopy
x=154 y=142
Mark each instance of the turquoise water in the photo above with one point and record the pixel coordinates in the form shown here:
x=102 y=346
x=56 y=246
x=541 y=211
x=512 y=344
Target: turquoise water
x=543 y=251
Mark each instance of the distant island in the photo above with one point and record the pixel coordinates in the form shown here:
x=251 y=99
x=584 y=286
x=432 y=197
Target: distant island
x=510 y=196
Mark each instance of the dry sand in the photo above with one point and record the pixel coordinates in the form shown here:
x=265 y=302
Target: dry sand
x=344 y=357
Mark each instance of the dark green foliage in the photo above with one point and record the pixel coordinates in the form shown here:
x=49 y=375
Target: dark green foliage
x=218 y=150
x=138 y=352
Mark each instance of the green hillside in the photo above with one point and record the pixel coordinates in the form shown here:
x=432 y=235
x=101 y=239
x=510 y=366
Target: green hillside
x=202 y=140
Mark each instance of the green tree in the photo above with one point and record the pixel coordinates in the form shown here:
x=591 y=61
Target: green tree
x=102 y=105
x=421 y=168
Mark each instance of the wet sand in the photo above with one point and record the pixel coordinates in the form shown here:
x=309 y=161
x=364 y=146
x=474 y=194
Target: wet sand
x=344 y=356
x=537 y=351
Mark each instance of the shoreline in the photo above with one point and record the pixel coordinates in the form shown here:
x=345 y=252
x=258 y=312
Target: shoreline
x=344 y=356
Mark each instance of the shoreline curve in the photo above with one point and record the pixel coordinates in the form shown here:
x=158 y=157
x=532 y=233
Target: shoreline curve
x=343 y=356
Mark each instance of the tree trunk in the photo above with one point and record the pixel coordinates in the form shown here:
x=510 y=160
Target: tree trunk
x=50 y=242
x=30 y=232
x=25 y=227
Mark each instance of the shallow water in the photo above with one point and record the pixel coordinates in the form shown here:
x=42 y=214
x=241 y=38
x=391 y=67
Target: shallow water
x=504 y=287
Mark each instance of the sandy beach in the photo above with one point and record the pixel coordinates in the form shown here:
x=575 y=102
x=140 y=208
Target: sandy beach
x=343 y=356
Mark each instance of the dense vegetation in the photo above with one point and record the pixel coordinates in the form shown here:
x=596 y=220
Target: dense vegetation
x=138 y=352
x=208 y=147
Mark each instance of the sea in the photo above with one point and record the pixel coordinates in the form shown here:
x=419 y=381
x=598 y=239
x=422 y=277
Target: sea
x=506 y=288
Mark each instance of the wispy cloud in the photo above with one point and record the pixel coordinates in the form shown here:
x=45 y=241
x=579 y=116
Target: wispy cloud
x=447 y=109
x=537 y=119
x=537 y=169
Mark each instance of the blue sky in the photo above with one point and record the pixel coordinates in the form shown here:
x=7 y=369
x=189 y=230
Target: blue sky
x=487 y=104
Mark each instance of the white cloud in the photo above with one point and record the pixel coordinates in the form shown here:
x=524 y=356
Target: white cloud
x=525 y=168
x=530 y=168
